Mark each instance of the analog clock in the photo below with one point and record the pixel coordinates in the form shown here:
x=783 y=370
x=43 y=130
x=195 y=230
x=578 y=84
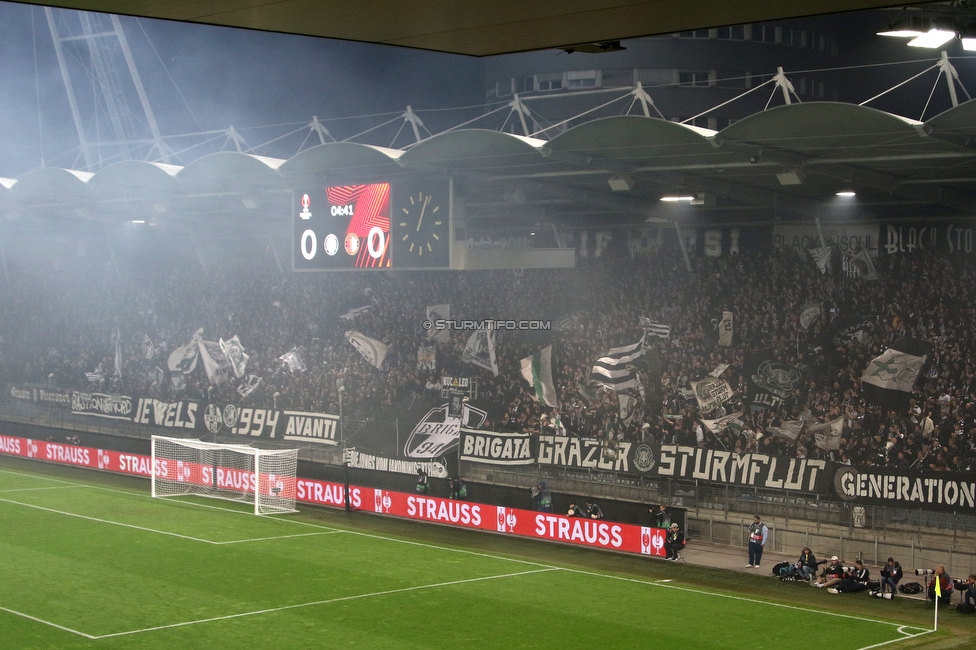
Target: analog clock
x=421 y=229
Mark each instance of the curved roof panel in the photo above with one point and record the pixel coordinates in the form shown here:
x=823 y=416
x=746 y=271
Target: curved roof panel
x=226 y=166
x=476 y=149
x=53 y=182
x=826 y=128
x=638 y=139
x=136 y=174
x=336 y=156
x=960 y=119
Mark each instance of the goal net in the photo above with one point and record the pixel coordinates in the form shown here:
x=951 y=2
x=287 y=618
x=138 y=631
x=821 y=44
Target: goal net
x=264 y=477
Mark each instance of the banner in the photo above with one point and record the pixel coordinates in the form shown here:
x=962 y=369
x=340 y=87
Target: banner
x=59 y=397
x=844 y=237
x=927 y=237
x=710 y=393
x=320 y=428
x=893 y=487
x=427 y=358
x=771 y=383
x=906 y=488
x=434 y=314
x=361 y=460
x=810 y=315
x=373 y=350
x=496 y=448
x=827 y=435
x=585 y=452
x=437 y=432
x=480 y=351
x=821 y=257
x=184 y=358
x=615 y=371
x=293 y=360
x=537 y=370
x=234 y=353
x=116 y=407
x=725 y=329
x=214 y=362
x=889 y=378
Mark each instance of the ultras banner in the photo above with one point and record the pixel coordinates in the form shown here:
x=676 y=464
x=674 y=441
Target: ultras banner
x=906 y=488
x=496 y=448
x=601 y=534
x=59 y=397
x=320 y=428
x=687 y=463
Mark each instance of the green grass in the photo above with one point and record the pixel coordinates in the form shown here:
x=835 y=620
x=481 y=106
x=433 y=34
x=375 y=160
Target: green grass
x=90 y=561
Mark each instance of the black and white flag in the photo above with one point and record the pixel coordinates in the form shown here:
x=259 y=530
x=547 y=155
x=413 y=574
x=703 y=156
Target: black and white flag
x=373 y=350
x=821 y=256
x=889 y=378
x=215 y=362
x=434 y=314
x=859 y=267
x=615 y=371
x=652 y=328
x=234 y=352
x=480 y=350
x=148 y=347
x=827 y=435
x=810 y=315
x=790 y=430
x=249 y=385
x=293 y=360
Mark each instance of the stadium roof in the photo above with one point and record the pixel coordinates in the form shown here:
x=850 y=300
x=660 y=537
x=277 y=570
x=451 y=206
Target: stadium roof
x=784 y=163
x=474 y=27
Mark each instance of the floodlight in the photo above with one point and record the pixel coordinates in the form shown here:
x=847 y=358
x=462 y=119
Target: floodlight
x=847 y=193
x=932 y=39
x=675 y=198
x=969 y=44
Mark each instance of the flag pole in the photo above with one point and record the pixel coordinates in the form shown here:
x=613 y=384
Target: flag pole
x=938 y=597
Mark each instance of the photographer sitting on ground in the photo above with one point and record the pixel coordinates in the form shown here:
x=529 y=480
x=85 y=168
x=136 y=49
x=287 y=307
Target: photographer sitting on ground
x=857 y=580
x=832 y=575
x=891 y=573
x=807 y=565
x=945 y=582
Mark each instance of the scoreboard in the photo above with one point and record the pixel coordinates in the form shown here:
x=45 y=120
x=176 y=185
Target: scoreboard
x=399 y=225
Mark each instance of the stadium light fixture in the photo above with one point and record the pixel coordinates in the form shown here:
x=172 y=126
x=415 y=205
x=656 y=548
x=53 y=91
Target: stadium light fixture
x=138 y=221
x=909 y=27
x=675 y=198
x=847 y=193
x=932 y=39
x=969 y=44
x=622 y=183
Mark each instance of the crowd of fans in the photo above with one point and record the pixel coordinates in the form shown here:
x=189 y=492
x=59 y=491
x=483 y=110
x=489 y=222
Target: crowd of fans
x=56 y=329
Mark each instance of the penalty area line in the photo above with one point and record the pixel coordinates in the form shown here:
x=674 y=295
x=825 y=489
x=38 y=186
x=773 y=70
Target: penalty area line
x=327 y=601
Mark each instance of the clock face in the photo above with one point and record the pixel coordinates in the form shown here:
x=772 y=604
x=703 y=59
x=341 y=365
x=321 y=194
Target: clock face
x=421 y=228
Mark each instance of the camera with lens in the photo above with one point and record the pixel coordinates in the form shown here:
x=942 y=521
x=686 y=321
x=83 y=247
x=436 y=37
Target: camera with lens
x=924 y=572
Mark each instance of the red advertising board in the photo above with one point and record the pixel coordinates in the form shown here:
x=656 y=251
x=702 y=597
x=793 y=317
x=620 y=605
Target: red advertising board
x=593 y=533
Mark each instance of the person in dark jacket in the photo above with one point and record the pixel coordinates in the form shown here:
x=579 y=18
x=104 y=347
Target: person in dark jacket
x=857 y=580
x=593 y=510
x=806 y=566
x=891 y=573
x=422 y=481
x=674 y=542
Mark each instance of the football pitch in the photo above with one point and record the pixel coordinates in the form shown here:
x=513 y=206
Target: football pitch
x=87 y=562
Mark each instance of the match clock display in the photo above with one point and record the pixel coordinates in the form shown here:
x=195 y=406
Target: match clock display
x=420 y=220
x=373 y=226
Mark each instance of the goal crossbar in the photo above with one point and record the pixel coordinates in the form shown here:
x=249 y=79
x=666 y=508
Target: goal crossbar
x=265 y=478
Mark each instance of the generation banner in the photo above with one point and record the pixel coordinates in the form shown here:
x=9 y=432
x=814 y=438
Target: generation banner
x=906 y=488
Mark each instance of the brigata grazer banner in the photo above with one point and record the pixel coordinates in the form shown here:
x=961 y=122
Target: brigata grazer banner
x=600 y=534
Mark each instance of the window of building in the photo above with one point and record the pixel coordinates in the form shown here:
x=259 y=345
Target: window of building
x=548 y=81
x=733 y=33
x=583 y=79
x=696 y=78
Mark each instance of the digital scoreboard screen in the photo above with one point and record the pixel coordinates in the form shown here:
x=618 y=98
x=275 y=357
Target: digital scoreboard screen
x=373 y=226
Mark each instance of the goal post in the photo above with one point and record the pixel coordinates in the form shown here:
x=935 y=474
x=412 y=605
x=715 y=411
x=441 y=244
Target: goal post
x=263 y=477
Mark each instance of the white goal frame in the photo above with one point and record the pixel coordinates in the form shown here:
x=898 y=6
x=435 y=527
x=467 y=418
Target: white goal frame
x=186 y=466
